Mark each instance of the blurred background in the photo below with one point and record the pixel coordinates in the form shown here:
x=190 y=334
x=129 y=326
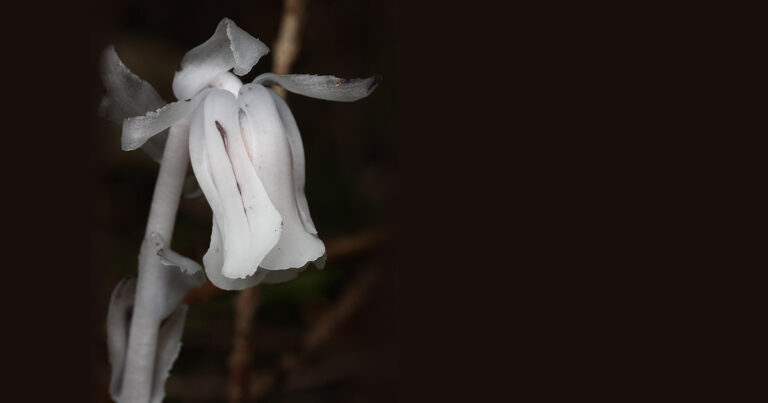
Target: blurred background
x=326 y=336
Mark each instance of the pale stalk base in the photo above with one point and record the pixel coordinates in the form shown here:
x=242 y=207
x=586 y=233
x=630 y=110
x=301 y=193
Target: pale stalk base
x=152 y=282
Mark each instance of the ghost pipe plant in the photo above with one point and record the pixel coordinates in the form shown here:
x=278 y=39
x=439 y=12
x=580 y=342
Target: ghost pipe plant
x=247 y=155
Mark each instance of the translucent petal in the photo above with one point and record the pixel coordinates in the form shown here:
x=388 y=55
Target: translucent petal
x=155 y=146
x=271 y=155
x=320 y=262
x=191 y=190
x=137 y=130
x=248 y=221
x=168 y=347
x=170 y=258
x=229 y=47
x=128 y=96
x=329 y=88
x=281 y=276
x=118 y=323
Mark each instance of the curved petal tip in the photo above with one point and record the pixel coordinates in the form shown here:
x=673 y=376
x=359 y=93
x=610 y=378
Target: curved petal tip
x=329 y=88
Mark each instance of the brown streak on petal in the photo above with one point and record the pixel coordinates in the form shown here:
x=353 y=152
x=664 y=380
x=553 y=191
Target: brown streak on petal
x=222 y=132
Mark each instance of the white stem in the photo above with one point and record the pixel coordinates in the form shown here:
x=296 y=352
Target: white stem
x=152 y=285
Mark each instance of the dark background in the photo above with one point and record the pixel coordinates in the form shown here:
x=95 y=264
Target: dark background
x=418 y=156
x=479 y=144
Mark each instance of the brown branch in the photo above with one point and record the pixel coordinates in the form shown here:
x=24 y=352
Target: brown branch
x=240 y=358
x=356 y=244
x=342 y=310
x=319 y=333
x=288 y=43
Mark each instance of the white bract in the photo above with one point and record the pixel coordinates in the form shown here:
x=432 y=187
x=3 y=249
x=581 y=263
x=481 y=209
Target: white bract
x=245 y=150
x=184 y=275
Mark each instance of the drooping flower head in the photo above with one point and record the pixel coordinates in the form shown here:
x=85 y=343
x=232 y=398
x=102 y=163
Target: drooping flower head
x=245 y=149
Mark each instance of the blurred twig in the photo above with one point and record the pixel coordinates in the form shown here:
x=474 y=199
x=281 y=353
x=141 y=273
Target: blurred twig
x=240 y=358
x=319 y=332
x=288 y=43
x=355 y=244
x=286 y=49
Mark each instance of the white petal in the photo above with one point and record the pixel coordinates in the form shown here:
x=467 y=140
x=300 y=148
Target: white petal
x=329 y=88
x=297 y=157
x=227 y=81
x=168 y=347
x=137 y=130
x=248 y=221
x=118 y=323
x=214 y=261
x=272 y=158
x=229 y=47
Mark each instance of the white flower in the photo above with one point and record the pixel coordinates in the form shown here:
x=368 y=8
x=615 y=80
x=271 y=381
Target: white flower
x=245 y=149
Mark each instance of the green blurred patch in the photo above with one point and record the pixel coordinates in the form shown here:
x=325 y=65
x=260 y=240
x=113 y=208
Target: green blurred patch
x=282 y=304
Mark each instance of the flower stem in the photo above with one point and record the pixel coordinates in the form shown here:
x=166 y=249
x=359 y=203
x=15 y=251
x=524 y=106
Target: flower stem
x=152 y=286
